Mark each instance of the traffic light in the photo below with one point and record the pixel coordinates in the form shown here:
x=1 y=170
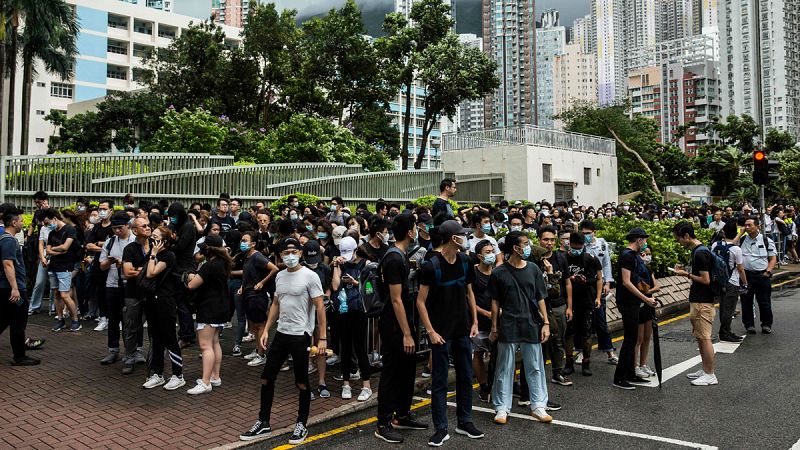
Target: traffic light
x=760 y=168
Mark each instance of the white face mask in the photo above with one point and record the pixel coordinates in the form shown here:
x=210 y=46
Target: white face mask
x=647 y=259
x=94 y=220
x=516 y=227
x=463 y=242
x=291 y=261
x=386 y=238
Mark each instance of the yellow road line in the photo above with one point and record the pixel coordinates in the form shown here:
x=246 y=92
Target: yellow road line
x=786 y=282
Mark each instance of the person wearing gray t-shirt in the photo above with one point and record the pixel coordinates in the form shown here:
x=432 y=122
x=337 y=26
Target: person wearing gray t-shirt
x=298 y=296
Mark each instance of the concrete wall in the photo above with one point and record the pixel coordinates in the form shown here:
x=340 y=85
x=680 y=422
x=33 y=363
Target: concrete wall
x=522 y=167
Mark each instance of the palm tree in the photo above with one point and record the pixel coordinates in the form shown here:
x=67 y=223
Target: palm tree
x=11 y=63
x=732 y=162
x=49 y=35
x=3 y=23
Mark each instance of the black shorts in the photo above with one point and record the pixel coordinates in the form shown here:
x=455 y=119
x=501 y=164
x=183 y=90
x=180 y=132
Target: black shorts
x=256 y=307
x=646 y=313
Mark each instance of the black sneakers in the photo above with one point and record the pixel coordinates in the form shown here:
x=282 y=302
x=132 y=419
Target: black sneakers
x=552 y=406
x=730 y=337
x=622 y=384
x=468 y=429
x=561 y=379
x=260 y=428
x=438 y=438
x=300 y=434
x=569 y=369
x=638 y=380
x=408 y=423
x=585 y=370
x=388 y=434
x=766 y=330
x=25 y=361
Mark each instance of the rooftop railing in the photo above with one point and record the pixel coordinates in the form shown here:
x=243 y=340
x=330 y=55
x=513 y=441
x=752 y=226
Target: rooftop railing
x=527 y=135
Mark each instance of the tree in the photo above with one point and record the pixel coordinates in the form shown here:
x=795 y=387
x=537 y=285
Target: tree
x=674 y=167
x=49 y=35
x=451 y=73
x=373 y=125
x=343 y=63
x=778 y=141
x=132 y=117
x=11 y=63
x=727 y=166
x=83 y=133
x=194 y=131
x=401 y=48
x=271 y=39
x=637 y=137
x=737 y=131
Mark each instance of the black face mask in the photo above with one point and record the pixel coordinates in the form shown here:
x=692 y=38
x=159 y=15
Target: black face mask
x=393 y=214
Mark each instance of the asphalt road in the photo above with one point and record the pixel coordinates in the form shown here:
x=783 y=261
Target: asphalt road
x=755 y=405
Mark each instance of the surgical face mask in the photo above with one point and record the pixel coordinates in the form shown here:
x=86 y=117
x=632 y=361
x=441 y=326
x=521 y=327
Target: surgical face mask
x=489 y=259
x=526 y=251
x=290 y=260
x=647 y=259
x=569 y=209
x=415 y=239
x=385 y=238
x=295 y=204
x=103 y=213
x=333 y=208
x=516 y=228
x=587 y=238
x=575 y=251
x=312 y=266
x=94 y=220
x=428 y=227
x=244 y=246
x=310 y=227
x=644 y=246
x=538 y=208
x=322 y=235
x=293 y=216
x=51 y=226
x=81 y=208
x=625 y=208
x=173 y=220
x=486 y=227
x=504 y=210
x=355 y=228
x=463 y=242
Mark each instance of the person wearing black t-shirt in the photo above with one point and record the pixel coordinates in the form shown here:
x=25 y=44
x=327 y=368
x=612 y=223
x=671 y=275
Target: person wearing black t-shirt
x=629 y=301
x=223 y=219
x=62 y=250
x=701 y=300
x=212 y=309
x=257 y=271
x=484 y=251
x=447 y=310
x=134 y=257
x=312 y=258
x=162 y=310
x=447 y=190
x=396 y=386
x=556 y=271
x=378 y=242
x=585 y=281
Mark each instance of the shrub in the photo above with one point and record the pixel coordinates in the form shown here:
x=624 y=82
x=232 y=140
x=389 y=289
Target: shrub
x=427 y=201
x=304 y=199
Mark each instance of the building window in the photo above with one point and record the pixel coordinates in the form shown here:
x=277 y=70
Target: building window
x=61 y=90
x=39 y=112
x=587 y=176
x=40 y=84
x=598 y=172
x=547 y=173
x=40 y=140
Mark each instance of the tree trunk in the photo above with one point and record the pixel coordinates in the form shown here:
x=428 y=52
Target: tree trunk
x=426 y=131
x=2 y=67
x=12 y=79
x=406 y=126
x=27 y=79
x=637 y=156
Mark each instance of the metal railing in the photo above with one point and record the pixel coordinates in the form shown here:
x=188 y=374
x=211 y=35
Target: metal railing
x=528 y=135
x=396 y=185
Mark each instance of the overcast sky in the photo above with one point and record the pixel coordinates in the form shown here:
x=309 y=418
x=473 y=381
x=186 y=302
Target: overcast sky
x=468 y=12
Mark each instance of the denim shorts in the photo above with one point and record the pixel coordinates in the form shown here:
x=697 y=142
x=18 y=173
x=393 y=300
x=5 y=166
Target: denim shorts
x=61 y=281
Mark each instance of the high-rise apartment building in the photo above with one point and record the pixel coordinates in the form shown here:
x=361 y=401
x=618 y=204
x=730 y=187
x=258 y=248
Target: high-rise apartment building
x=470 y=112
x=640 y=23
x=584 y=34
x=574 y=79
x=677 y=83
x=551 y=38
x=113 y=39
x=760 y=61
x=232 y=13
x=609 y=24
x=509 y=38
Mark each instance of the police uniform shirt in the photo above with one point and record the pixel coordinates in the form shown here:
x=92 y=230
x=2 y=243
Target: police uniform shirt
x=756 y=256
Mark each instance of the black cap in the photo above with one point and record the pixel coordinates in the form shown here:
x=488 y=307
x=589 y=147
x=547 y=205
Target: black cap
x=450 y=228
x=290 y=243
x=212 y=240
x=245 y=217
x=425 y=218
x=636 y=233
x=311 y=252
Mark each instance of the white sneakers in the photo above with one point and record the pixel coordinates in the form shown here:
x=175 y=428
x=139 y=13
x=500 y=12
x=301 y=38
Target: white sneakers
x=199 y=388
x=175 y=382
x=644 y=372
x=695 y=375
x=251 y=355
x=102 y=325
x=347 y=393
x=706 y=379
x=365 y=394
x=259 y=360
x=501 y=417
x=647 y=369
x=154 y=381
x=216 y=382
x=541 y=415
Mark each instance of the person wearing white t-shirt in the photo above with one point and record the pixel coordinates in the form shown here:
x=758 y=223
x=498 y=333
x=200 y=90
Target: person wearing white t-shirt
x=298 y=297
x=482 y=225
x=736 y=282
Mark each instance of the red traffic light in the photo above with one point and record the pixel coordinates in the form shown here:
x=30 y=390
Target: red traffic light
x=759 y=155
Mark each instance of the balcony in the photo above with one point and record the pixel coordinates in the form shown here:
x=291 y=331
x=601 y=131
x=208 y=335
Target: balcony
x=118 y=26
x=143 y=30
x=117 y=51
x=117 y=77
x=140 y=52
x=166 y=34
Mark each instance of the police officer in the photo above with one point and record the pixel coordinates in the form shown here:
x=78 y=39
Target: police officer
x=760 y=258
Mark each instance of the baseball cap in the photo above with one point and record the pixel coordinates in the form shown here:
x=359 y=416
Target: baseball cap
x=290 y=243
x=636 y=232
x=450 y=228
x=311 y=252
x=425 y=218
x=346 y=247
x=338 y=233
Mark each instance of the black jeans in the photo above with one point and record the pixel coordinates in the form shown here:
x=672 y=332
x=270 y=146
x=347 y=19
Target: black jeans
x=186 y=330
x=161 y=315
x=281 y=347
x=14 y=316
x=760 y=287
x=353 y=329
x=115 y=302
x=461 y=348
x=396 y=387
x=630 y=322
x=132 y=327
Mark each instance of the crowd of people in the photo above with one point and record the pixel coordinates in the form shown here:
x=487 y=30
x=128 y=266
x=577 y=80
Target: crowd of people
x=310 y=285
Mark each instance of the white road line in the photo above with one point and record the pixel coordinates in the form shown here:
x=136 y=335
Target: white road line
x=796 y=445
x=604 y=430
x=677 y=369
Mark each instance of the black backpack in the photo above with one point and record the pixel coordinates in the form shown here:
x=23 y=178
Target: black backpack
x=374 y=295
x=719 y=271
